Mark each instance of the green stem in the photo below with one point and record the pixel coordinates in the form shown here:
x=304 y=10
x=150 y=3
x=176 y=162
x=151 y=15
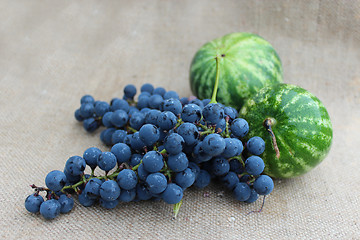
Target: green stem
x=134 y=168
x=179 y=122
x=213 y=98
x=131 y=129
x=176 y=208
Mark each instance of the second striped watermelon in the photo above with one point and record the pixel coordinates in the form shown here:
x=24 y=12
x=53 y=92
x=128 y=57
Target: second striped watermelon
x=300 y=125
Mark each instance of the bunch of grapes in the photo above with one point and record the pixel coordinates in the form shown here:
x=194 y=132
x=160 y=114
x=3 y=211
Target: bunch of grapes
x=160 y=146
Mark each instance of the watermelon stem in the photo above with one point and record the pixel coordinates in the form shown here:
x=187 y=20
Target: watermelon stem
x=267 y=124
x=213 y=97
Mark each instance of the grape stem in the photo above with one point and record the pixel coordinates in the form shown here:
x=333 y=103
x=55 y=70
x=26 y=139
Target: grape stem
x=213 y=97
x=267 y=124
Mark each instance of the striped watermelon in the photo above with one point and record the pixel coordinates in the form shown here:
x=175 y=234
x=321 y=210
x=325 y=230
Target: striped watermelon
x=247 y=64
x=300 y=124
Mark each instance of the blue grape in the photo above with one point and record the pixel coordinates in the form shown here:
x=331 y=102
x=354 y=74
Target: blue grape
x=191 y=113
x=119 y=118
x=203 y=179
x=55 y=180
x=152 y=116
x=231 y=112
x=185 y=178
x=195 y=168
x=184 y=101
x=147 y=87
x=142 y=173
x=213 y=144
x=159 y=91
x=33 y=202
x=106 y=120
x=236 y=166
x=166 y=120
x=92 y=188
x=136 y=143
x=145 y=110
x=127 y=179
x=78 y=116
x=50 y=209
x=142 y=192
x=173 y=105
x=127 y=139
x=221 y=126
x=189 y=149
x=155 y=101
x=213 y=113
x=75 y=165
x=239 y=127
x=137 y=119
x=71 y=178
x=109 y=190
x=254 y=165
x=178 y=162
x=66 y=203
x=101 y=108
x=245 y=178
x=220 y=166
x=106 y=136
x=87 y=99
x=240 y=146
x=171 y=94
x=160 y=148
x=206 y=101
x=198 y=102
x=127 y=195
x=135 y=159
x=91 y=155
x=156 y=182
x=263 y=185
x=130 y=91
x=255 y=145
x=253 y=196
x=133 y=110
x=87 y=110
x=149 y=134
x=144 y=94
x=90 y=124
x=122 y=152
x=173 y=143
x=118 y=136
x=106 y=161
x=199 y=154
x=109 y=204
x=153 y=161
x=120 y=104
x=85 y=200
x=242 y=191
x=143 y=102
x=172 y=194
x=230 y=180
x=232 y=147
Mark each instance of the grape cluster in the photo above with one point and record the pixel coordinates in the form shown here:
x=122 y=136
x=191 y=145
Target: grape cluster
x=159 y=146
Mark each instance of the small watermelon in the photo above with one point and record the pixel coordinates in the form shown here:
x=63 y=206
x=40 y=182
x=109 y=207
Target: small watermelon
x=247 y=63
x=295 y=126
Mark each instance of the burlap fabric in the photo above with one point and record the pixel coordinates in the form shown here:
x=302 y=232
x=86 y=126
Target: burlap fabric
x=53 y=52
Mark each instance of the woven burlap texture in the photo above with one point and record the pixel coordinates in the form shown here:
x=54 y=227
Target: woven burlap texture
x=53 y=52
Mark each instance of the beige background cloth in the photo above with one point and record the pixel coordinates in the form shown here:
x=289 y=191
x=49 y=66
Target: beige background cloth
x=53 y=52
